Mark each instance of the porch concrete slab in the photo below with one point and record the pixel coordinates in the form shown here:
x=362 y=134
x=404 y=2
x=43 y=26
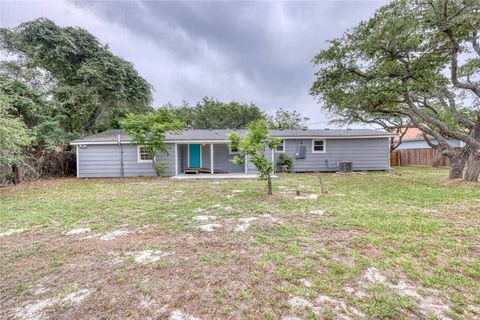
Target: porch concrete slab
x=215 y=176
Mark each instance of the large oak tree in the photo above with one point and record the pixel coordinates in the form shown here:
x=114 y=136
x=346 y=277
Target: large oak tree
x=94 y=88
x=403 y=64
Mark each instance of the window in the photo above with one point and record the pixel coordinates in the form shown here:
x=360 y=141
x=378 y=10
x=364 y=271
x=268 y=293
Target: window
x=318 y=146
x=233 y=151
x=144 y=154
x=281 y=146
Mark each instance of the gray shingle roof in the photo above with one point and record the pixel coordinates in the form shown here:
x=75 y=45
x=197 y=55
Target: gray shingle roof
x=105 y=136
x=110 y=136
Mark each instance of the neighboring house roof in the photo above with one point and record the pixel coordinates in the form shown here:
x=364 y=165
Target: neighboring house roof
x=412 y=134
x=205 y=135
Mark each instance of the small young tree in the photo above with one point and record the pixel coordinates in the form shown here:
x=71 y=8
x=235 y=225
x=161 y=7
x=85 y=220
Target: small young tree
x=150 y=129
x=254 y=145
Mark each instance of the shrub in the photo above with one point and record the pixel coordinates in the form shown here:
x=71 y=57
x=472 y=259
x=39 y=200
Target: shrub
x=161 y=168
x=285 y=162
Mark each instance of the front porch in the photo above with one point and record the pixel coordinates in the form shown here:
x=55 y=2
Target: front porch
x=206 y=160
x=184 y=176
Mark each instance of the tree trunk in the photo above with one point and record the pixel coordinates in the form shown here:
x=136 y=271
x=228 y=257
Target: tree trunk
x=438 y=157
x=269 y=182
x=457 y=163
x=17 y=175
x=456 y=171
x=322 y=184
x=473 y=168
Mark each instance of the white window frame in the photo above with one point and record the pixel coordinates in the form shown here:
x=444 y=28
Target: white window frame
x=283 y=147
x=324 y=146
x=232 y=152
x=139 y=158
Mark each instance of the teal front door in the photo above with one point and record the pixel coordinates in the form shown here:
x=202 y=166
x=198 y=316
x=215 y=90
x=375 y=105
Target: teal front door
x=194 y=159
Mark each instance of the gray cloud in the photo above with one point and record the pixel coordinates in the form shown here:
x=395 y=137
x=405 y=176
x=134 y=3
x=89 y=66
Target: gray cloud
x=256 y=52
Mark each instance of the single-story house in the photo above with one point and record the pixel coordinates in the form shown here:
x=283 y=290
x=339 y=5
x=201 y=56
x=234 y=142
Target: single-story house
x=113 y=154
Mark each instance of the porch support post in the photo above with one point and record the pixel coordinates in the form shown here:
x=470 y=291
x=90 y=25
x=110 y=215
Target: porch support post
x=176 y=159
x=211 y=158
x=273 y=159
x=246 y=163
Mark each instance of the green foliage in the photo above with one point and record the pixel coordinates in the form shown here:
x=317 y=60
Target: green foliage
x=150 y=129
x=94 y=87
x=161 y=168
x=43 y=116
x=371 y=65
x=284 y=120
x=285 y=161
x=213 y=114
x=254 y=145
x=14 y=135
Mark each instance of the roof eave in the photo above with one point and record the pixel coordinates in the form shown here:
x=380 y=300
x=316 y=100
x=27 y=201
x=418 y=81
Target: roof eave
x=80 y=142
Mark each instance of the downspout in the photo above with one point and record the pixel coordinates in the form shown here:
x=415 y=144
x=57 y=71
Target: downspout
x=119 y=142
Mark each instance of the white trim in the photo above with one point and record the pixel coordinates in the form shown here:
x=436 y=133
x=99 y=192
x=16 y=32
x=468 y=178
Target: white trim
x=139 y=159
x=334 y=137
x=96 y=142
x=232 y=152
x=211 y=159
x=389 y=154
x=285 y=138
x=227 y=141
x=283 y=146
x=197 y=141
x=188 y=154
x=273 y=156
x=176 y=159
x=78 y=162
x=324 y=146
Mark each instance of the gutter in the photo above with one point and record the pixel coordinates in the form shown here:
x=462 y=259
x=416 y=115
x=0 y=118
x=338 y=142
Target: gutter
x=75 y=143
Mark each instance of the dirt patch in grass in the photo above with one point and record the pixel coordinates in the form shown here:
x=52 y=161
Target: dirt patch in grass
x=202 y=270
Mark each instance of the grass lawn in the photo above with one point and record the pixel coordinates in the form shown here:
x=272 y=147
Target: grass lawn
x=380 y=245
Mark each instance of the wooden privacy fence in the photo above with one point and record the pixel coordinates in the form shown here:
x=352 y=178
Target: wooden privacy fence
x=417 y=157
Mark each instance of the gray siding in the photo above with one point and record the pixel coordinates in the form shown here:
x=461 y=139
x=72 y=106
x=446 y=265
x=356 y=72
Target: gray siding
x=366 y=154
x=169 y=157
x=222 y=160
x=105 y=161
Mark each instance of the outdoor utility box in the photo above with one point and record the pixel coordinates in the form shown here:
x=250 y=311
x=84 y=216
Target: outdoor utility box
x=345 y=166
x=301 y=152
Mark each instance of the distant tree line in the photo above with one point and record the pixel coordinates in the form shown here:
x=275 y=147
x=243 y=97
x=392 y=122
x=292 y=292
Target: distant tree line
x=210 y=113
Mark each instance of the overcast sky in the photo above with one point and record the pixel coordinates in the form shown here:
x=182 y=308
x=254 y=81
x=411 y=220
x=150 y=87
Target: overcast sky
x=256 y=52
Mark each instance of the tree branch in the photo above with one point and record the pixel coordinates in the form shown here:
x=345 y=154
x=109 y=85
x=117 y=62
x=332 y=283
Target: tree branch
x=454 y=65
x=453 y=108
x=475 y=144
